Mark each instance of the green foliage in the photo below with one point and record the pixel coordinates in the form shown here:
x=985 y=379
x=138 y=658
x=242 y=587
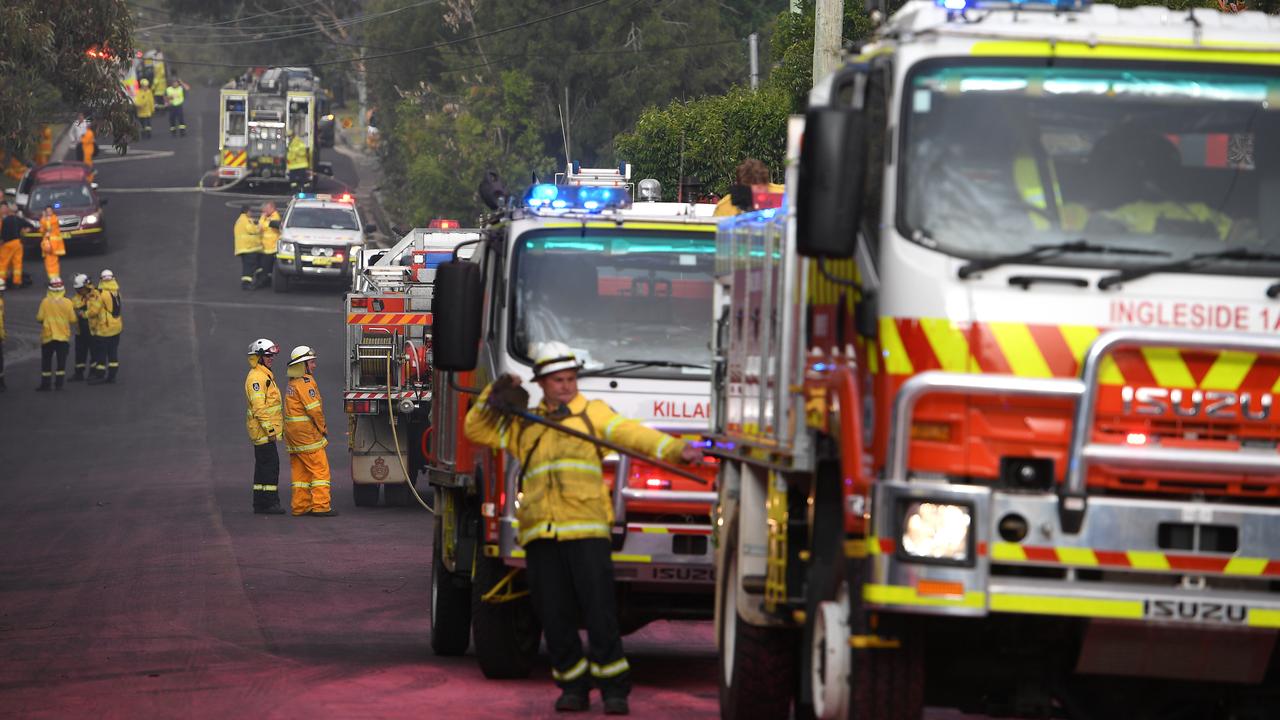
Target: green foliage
x=708 y=137
x=442 y=150
x=45 y=70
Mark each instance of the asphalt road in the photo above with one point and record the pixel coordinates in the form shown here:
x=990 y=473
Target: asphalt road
x=134 y=579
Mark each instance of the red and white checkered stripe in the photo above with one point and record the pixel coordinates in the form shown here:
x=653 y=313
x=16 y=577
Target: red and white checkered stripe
x=379 y=395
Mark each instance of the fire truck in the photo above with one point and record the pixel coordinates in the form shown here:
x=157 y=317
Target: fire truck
x=994 y=389
x=628 y=287
x=388 y=383
x=257 y=114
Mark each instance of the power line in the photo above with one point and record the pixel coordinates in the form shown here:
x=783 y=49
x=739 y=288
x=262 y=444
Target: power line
x=285 y=32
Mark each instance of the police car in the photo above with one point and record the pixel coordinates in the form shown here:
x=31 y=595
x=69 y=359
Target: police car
x=319 y=236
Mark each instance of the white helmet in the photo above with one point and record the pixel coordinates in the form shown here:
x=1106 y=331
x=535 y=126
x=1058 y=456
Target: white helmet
x=263 y=346
x=552 y=357
x=80 y=280
x=107 y=275
x=55 y=283
x=301 y=354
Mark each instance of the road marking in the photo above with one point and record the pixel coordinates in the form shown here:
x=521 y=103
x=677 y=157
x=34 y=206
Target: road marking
x=126 y=191
x=135 y=155
x=335 y=309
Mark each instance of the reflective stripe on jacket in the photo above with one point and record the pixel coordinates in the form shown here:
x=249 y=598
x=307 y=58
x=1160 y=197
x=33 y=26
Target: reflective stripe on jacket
x=263 y=418
x=270 y=235
x=248 y=236
x=145 y=102
x=304 y=426
x=564 y=494
x=56 y=317
x=102 y=319
x=297 y=156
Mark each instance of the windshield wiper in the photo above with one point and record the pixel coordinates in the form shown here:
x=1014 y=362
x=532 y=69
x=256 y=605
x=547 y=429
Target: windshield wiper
x=1040 y=253
x=624 y=365
x=1186 y=263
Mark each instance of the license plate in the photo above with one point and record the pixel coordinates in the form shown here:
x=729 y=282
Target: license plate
x=320 y=261
x=1195 y=611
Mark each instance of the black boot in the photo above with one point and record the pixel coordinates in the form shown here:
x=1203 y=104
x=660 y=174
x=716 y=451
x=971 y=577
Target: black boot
x=58 y=381
x=111 y=374
x=573 y=701
x=44 y=385
x=78 y=376
x=616 y=705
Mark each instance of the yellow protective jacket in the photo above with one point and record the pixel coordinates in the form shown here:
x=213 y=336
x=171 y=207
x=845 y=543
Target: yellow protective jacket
x=297 y=156
x=304 y=426
x=564 y=495
x=51 y=231
x=263 y=419
x=248 y=236
x=100 y=309
x=81 y=303
x=145 y=103
x=56 y=317
x=175 y=95
x=270 y=235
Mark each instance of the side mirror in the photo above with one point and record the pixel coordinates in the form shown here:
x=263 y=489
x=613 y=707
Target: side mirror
x=833 y=163
x=457 y=304
x=274 y=224
x=370 y=228
x=325 y=168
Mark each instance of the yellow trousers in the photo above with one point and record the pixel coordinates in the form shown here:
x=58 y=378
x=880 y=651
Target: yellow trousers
x=310 y=472
x=52 y=266
x=11 y=259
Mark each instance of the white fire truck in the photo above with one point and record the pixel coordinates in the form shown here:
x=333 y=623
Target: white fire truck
x=256 y=116
x=998 y=384
x=388 y=385
x=628 y=287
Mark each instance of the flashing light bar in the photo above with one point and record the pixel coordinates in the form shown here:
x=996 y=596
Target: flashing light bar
x=343 y=198
x=1055 y=5
x=444 y=224
x=546 y=196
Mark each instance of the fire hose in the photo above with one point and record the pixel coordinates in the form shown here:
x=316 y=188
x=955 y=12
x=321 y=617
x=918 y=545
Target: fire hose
x=395 y=438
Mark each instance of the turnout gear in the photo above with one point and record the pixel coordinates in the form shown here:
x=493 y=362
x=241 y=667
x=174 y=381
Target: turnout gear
x=56 y=316
x=248 y=238
x=84 y=338
x=104 y=309
x=298 y=163
x=144 y=104
x=175 y=95
x=270 y=242
x=263 y=420
x=88 y=146
x=301 y=354
x=305 y=438
x=552 y=357
x=52 y=247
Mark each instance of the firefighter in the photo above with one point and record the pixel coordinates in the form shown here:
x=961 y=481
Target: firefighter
x=106 y=309
x=52 y=248
x=306 y=436
x=298 y=163
x=565 y=517
x=11 y=251
x=56 y=316
x=2 y=336
x=145 y=105
x=175 y=95
x=84 y=338
x=248 y=237
x=264 y=421
x=89 y=146
x=270 y=242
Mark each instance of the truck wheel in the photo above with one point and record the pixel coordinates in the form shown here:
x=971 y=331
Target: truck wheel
x=279 y=281
x=825 y=657
x=888 y=683
x=365 y=495
x=506 y=634
x=396 y=495
x=757 y=664
x=450 y=603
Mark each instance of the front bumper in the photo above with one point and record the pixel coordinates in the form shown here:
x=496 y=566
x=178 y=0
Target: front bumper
x=78 y=236
x=1117 y=566
x=304 y=263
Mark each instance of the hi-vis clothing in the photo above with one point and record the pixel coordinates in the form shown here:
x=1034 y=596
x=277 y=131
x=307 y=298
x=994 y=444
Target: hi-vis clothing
x=270 y=235
x=264 y=418
x=248 y=235
x=145 y=103
x=304 y=438
x=298 y=155
x=565 y=497
x=1142 y=217
x=101 y=310
x=174 y=95
x=52 y=246
x=56 y=317
x=88 y=143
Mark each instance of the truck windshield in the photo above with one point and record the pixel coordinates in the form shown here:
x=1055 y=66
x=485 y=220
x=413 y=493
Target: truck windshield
x=616 y=295
x=1002 y=158
x=322 y=218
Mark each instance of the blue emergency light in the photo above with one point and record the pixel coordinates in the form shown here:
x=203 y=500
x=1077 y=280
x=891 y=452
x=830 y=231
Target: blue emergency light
x=545 y=196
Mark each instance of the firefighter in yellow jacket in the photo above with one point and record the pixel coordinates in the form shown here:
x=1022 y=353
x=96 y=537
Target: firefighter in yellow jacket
x=270 y=238
x=52 y=247
x=306 y=436
x=298 y=163
x=105 y=309
x=56 y=316
x=248 y=237
x=144 y=104
x=265 y=423
x=565 y=515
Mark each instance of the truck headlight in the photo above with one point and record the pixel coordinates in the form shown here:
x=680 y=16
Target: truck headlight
x=287 y=248
x=936 y=531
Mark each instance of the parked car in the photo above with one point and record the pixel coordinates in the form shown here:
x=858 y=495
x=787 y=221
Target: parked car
x=319 y=236
x=66 y=188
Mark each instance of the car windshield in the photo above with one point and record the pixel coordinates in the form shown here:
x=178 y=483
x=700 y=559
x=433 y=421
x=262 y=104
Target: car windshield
x=60 y=196
x=323 y=218
x=1002 y=158
x=617 y=297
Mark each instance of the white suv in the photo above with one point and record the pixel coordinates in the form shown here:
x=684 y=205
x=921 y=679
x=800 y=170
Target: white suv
x=319 y=236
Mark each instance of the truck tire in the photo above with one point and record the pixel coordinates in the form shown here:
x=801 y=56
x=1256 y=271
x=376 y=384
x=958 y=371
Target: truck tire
x=888 y=684
x=450 y=603
x=825 y=653
x=364 y=495
x=757 y=664
x=396 y=495
x=506 y=634
x=279 y=281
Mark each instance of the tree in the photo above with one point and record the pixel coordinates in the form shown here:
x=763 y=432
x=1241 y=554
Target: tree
x=59 y=55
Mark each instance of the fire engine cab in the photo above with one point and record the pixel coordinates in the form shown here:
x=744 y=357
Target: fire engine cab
x=628 y=287
x=998 y=382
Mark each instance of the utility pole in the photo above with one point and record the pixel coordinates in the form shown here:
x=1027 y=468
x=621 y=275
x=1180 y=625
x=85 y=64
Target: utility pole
x=753 y=42
x=827 y=21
